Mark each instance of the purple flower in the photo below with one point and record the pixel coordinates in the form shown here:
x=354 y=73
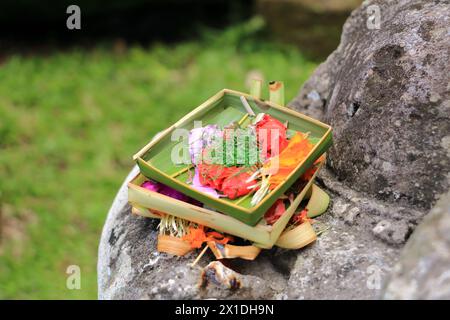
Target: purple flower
x=150 y=185
x=168 y=191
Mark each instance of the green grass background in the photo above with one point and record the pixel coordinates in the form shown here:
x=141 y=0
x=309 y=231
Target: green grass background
x=70 y=122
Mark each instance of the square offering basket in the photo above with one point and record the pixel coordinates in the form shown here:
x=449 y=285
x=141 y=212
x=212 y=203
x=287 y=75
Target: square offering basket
x=154 y=160
x=152 y=204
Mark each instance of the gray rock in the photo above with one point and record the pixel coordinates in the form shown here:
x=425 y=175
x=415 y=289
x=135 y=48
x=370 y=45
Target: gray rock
x=386 y=92
x=345 y=262
x=389 y=223
x=320 y=83
x=129 y=267
x=423 y=271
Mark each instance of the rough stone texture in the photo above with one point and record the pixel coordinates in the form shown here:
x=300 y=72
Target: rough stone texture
x=382 y=90
x=345 y=262
x=386 y=92
x=129 y=267
x=423 y=271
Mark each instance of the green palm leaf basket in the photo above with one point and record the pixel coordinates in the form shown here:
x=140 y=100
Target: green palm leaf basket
x=154 y=205
x=155 y=161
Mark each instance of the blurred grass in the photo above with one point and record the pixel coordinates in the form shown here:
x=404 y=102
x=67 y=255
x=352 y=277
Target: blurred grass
x=70 y=122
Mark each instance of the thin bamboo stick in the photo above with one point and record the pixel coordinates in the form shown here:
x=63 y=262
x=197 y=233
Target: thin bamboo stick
x=199 y=256
x=247 y=106
x=176 y=174
x=240 y=122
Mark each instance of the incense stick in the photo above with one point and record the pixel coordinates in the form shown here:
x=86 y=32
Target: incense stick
x=243 y=119
x=247 y=106
x=176 y=174
x=199 y=256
